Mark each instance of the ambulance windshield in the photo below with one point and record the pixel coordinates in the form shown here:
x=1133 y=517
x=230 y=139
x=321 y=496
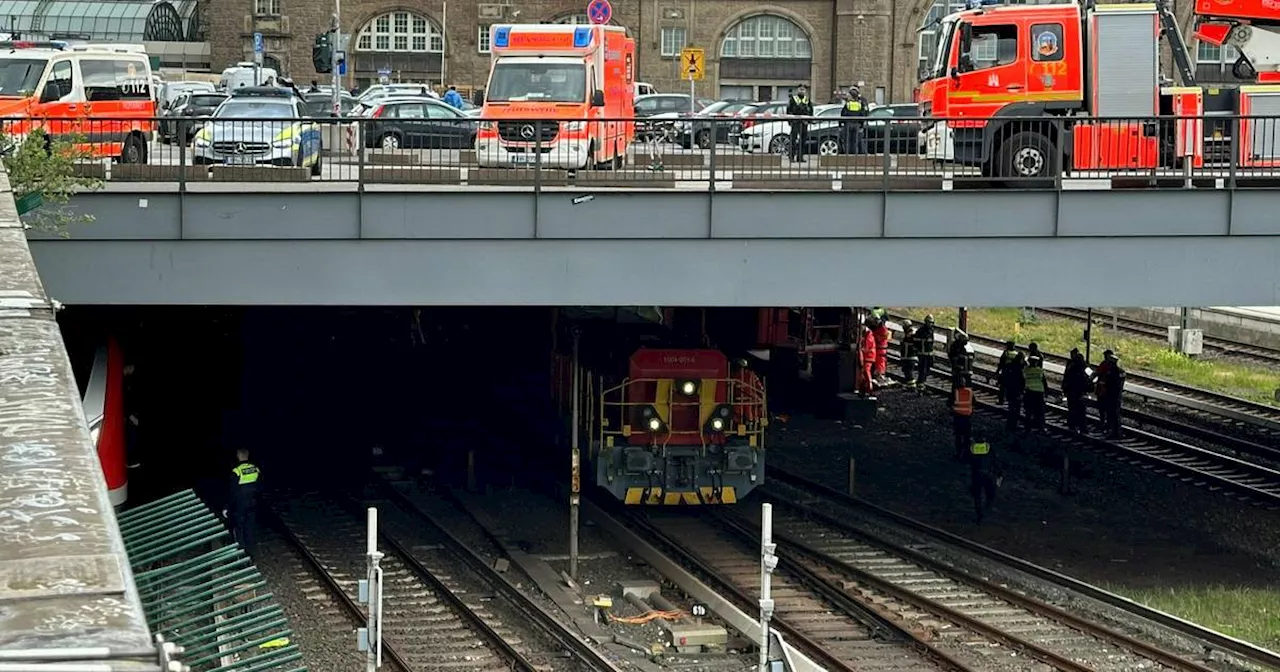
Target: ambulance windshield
x=19 y=77
x=519 y=80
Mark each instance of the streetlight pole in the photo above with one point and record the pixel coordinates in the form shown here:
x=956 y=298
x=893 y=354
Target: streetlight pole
x=337 y=48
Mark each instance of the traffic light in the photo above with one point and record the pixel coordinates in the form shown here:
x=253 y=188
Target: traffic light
x=322 y=53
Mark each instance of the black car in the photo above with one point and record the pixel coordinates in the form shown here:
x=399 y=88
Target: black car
x=668 y=107
x=186 y=111
x=320 y=104
x=419 y=124
x=903 y=135
x=718 y=116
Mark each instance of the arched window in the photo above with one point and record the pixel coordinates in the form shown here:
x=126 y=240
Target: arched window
x=929 y=34
x=402 y=32
x=766 y=36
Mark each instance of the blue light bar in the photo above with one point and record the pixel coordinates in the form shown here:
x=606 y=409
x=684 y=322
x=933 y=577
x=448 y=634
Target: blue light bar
x=501 y=36
x=581 y=37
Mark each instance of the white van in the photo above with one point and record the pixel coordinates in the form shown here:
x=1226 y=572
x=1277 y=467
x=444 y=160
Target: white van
x=644 y=89
x=243 y=74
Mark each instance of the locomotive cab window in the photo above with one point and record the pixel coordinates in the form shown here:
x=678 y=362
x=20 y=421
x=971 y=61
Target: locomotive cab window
x=1046 y=42
x=991 y=46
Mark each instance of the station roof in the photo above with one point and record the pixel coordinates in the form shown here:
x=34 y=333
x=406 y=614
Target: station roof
x=129 y=21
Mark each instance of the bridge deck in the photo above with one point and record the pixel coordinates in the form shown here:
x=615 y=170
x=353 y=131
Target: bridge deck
x=64 y=576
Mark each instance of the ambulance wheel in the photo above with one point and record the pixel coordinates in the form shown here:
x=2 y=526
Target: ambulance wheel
x=135 y=150
x=1026 y=156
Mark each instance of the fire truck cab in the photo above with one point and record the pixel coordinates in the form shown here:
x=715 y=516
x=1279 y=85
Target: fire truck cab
x=558 y=96
x=1028 y=90
x=98 y=96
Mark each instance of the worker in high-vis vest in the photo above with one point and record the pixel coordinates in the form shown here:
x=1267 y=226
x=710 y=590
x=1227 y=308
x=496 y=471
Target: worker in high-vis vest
x=962 y=419
x=242 y=503
x=983 y=480
x=1033 y=377
x=852 y=117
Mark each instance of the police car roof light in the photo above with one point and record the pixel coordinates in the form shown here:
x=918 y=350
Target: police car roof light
x=32 y=44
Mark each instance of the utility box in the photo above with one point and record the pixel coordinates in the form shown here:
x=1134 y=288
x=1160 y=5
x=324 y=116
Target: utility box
x=1186 y=341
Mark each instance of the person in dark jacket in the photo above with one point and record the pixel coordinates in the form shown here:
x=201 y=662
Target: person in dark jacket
x=1110 y=392
x=924 y=352
x=1014 y=386
x=908 y=350
x=1075 y=384
x=961 y=361
x=799 y=106
x=983 y=476
x=851 y=122
x=242 y=501
x=1006 y=359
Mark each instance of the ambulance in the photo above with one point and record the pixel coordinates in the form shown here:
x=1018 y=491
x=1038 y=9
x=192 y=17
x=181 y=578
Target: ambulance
x=563 y=92
x=101 y=95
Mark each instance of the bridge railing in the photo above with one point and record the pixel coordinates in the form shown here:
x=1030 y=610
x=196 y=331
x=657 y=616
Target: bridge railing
x=686 y=152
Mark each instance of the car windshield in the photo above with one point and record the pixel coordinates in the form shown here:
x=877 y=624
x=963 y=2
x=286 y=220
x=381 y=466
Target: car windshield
x=942 y=48
x=255 y=110
x=207 y=100
x=20 y=76
x=553 y=82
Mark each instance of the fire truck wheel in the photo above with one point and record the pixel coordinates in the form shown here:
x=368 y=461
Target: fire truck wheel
x=1026 y=155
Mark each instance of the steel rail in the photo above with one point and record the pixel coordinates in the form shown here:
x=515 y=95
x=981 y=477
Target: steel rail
x=1224 y=346
x=517 y=660
x=1244 y=650
x=1193 y=398
x=358 y=614
x=1265 y=491
x=1028 y=603
x=578 y=647
x=724 y=586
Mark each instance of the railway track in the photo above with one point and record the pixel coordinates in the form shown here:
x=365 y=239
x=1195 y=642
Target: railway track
x=1233 y=477
x=850 y=526
x=988 y=625
x=437 y=611
x=1225 y=347
x=825 y=623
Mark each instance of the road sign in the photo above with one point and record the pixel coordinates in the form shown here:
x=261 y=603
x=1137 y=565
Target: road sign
x=599 y=11
x=693 y=64
x=384 y=72
x=258 y=45
x=342 y=62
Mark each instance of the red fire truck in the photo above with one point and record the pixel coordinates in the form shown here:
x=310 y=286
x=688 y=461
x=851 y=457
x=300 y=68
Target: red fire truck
x=1025 y=88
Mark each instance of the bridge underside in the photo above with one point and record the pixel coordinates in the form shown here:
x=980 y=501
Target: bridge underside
x=304 y=246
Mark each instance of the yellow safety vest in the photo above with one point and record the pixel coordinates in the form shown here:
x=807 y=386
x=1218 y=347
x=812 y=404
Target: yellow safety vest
x=1034 y=378
x=802 y=101
x=853 y=105
x=246 y=473
x=980 y=448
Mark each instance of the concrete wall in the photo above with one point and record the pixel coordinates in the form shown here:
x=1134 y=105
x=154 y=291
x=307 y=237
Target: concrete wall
x=310 y=247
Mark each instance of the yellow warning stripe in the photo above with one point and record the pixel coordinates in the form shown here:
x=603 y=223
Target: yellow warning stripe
x=977 y=97
x=656 y=496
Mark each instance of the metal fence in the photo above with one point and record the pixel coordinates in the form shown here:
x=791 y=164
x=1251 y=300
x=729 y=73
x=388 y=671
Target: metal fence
x=698 y=153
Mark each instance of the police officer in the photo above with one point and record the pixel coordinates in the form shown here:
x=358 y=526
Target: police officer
x=962 y=419
x=982 y=476
x=799 y=106
x=1075 y=384
x=909 y=348
x=242 y=502
x=924 y=351
x=1033 y=376
x=852 y=114
x=1006 y=360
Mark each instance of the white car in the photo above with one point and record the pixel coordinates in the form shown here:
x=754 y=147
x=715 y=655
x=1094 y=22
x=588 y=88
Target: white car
x=936 y=143
x=774 y=136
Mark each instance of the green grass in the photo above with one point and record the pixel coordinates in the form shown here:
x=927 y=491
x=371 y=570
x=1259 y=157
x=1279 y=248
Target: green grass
x=1250 y=614
x=1058 y=336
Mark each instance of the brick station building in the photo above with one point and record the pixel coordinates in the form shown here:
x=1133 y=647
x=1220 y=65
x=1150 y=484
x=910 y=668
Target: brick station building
x=754 y=49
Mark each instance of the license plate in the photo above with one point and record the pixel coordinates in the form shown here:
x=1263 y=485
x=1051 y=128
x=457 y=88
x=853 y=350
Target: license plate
x=521 y=158
x=239 y=160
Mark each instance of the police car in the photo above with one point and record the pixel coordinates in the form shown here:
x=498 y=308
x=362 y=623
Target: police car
x=260 y=126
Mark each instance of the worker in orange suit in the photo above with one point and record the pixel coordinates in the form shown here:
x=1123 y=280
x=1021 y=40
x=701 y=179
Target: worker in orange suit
x=867 y=360
x=881 y=333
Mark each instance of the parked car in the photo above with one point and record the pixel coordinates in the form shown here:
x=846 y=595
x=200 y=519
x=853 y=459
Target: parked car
x=171 y=90
x=659 y=110
x=260 y=125
x=320 y=104
x=187 y=113
x=419 y=124
x=774 y=135
x=718 y=116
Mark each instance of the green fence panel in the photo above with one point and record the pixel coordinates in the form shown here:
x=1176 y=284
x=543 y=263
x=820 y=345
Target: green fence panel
x=199 y=589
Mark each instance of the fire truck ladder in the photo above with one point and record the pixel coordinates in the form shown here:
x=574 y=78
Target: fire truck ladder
x=1177 y=45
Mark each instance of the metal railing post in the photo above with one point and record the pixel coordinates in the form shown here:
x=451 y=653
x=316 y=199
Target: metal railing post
x=715 y=140
x=537 y=157
x=1234 y=152
x=1060 y=147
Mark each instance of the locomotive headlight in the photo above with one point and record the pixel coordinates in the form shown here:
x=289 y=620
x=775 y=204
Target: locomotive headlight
x=654 y=424
x=717 y=424
x=720 y=419
x=688 y=388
